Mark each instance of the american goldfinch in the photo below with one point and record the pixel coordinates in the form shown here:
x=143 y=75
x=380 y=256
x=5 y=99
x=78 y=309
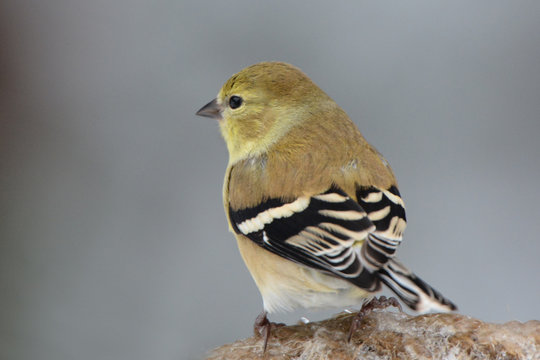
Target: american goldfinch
x=315 y=208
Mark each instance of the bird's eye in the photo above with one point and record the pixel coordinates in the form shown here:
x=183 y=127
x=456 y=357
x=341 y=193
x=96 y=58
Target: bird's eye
x=235 y=102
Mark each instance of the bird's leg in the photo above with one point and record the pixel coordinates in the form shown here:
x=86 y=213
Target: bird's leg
x=263 y=327
x=376 y=303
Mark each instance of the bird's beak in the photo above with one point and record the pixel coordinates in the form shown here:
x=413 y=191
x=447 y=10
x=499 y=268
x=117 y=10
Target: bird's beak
x=211 y=110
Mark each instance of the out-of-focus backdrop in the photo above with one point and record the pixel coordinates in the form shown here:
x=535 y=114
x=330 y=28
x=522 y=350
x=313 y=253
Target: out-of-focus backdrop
x=113 y=240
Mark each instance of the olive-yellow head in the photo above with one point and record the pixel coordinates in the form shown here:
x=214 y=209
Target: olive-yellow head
x=259 y=105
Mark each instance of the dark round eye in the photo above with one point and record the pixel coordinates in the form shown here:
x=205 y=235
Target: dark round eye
x=235 y=102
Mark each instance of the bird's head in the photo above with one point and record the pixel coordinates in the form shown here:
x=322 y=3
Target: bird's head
x=259 y=105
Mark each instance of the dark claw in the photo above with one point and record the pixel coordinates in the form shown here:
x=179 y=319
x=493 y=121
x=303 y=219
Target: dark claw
x=376 y=303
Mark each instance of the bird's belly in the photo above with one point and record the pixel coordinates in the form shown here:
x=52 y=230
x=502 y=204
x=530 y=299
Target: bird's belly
x=285 y=285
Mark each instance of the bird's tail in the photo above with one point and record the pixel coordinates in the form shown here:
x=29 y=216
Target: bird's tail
x=412 y=290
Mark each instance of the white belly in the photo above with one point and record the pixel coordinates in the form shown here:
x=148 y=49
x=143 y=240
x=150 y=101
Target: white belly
x=285 y=285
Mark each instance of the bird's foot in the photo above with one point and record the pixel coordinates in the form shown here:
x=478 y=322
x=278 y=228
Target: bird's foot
x=376 y=303
x=263 y=327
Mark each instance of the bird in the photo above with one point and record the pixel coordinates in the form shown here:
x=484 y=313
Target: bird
x=315 y=209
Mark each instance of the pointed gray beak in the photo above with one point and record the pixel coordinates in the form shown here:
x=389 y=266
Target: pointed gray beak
x=211 y=110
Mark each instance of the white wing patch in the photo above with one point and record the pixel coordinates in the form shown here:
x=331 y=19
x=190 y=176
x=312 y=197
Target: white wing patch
x=332 y=198
x=258 y=222
x=265 y=238
x=373 y=197
x=393 y=198
x=344 y=215
x=379 y=214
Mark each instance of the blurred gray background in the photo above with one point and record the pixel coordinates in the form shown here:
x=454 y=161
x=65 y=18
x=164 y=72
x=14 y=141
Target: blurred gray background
x=113 y=240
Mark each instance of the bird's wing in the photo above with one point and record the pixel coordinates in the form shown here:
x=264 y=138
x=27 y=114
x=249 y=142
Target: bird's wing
x=329 y=231
x=386 y=210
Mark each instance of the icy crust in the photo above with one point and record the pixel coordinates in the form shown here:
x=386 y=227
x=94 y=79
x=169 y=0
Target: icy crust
x=391 y=335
